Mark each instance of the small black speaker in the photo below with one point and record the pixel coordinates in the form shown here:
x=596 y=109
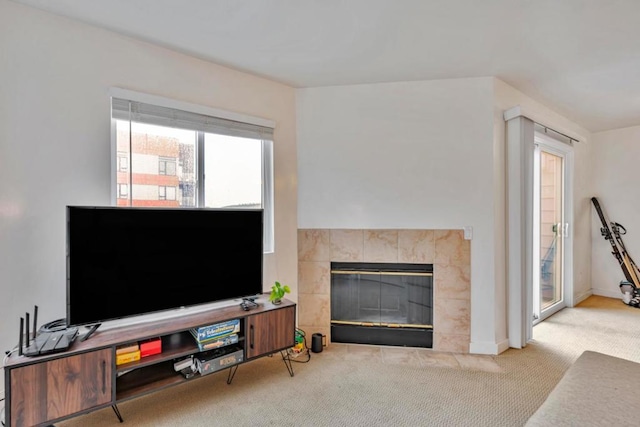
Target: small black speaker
x=317 y=342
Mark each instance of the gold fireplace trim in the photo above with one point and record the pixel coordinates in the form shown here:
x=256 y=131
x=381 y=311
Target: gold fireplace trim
x=388 y=325
x=381 y=273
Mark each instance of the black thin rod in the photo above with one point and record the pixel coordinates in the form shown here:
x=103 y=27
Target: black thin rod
x=115 y=409
x=547 y=128
x=232 y=373
x=287 y=361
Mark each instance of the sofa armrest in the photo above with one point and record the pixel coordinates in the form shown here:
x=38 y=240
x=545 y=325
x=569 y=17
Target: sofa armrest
x=597 y=390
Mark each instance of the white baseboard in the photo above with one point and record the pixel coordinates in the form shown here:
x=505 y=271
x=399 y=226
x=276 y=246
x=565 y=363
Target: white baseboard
x=503 y=346
x=607 y=293
x=490 y=348
x=579 y=298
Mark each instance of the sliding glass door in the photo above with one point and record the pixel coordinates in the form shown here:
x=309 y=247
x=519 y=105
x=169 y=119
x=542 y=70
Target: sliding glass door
x=550 y=228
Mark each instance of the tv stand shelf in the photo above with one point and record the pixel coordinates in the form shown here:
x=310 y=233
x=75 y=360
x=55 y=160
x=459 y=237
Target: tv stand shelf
x=141 y=381
x=264 y=330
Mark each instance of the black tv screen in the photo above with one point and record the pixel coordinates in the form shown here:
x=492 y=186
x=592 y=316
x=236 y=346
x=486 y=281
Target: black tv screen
x=127 y=261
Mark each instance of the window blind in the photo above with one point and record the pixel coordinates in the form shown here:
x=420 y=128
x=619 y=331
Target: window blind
x=124 y=109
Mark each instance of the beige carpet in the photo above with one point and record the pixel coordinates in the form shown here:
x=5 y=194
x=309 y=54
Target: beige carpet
x=353 y=386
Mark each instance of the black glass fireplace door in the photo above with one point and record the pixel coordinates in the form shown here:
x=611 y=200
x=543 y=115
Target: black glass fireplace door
x=386 y=304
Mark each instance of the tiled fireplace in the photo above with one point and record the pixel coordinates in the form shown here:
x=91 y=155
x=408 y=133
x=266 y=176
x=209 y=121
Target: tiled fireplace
x=445 y=249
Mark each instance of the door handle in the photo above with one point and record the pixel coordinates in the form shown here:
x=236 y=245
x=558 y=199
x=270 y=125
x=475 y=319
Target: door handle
x=251 y=336
x=104 y=376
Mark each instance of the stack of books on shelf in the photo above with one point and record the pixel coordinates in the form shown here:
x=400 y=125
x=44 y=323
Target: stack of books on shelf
x=150 y=347
x=127 y=353
x=134 y=351
x=217 y=335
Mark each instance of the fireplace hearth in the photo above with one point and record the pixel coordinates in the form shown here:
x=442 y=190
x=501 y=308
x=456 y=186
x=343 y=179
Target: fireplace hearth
x=382 y=304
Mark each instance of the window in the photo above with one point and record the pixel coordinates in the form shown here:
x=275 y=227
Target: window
x=123 y=191
x=166 y=193
x=123 y=162
x=167 y=166
x=180 y=157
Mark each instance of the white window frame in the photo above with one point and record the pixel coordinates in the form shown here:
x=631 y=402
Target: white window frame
x=123 y=191
x=267 y=167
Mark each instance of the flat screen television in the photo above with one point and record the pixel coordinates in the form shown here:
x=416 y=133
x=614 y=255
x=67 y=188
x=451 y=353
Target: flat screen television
x=128 y=261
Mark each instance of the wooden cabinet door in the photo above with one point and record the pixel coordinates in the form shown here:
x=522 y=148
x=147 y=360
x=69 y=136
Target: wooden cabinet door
x=270 y=331
x=46 y=391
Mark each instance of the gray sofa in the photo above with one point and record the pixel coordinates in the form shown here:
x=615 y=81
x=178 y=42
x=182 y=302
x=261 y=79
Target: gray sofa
x=597 y=390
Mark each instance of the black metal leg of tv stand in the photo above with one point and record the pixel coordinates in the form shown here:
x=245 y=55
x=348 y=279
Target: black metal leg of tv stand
x=115 y=409
x=232 y=372
x=287 y=361
x=285 y=358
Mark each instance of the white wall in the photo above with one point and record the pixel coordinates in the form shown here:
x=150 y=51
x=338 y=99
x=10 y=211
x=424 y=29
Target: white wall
x=429 y=154
x=405 y=155
x=55 y=143
x=616 y=175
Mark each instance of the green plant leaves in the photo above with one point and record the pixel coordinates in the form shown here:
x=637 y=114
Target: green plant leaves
x=278 y=291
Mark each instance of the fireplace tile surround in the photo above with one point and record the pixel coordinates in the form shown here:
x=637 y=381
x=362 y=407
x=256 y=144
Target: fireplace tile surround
x=447 y=250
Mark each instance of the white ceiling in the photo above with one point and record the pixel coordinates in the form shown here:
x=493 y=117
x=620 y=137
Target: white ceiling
x=579 y=57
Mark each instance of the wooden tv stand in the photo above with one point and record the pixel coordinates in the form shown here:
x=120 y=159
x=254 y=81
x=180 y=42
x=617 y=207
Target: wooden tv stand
x=45 y=389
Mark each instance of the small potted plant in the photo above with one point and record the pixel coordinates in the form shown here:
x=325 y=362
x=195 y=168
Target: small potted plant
x=277 y=293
